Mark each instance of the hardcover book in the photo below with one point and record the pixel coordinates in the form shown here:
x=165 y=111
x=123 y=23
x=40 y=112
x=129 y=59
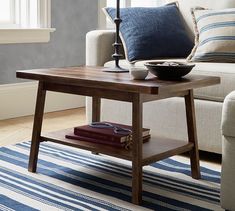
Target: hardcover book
x=106 y=133
x=105 y=142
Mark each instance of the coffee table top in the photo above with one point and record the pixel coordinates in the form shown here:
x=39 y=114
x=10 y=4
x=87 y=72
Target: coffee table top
x=95 y=77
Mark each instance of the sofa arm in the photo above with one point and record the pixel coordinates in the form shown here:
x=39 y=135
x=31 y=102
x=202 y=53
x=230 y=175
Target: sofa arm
x=228 y=115
x=228 y=153
x=99 y=48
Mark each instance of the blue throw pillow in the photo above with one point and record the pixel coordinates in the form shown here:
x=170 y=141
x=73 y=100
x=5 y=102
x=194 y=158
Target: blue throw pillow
x=153 y=32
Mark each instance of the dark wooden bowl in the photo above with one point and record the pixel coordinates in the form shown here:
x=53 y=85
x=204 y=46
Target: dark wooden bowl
x=167 y=72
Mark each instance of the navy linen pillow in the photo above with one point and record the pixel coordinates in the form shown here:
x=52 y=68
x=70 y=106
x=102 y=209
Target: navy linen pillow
x=153 y=32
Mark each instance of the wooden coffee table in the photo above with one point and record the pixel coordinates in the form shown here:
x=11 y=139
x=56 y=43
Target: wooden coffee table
x=92 y=81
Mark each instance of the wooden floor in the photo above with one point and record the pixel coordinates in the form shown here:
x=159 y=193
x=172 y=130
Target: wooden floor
x=19 y=129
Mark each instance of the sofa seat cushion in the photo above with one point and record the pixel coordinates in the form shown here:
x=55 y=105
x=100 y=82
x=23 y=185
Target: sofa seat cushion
x=226 y=71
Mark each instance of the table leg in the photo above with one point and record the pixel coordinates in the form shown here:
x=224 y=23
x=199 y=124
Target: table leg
x=137 y=115
x=37 y=127
x=96 y=103
x=192 y=135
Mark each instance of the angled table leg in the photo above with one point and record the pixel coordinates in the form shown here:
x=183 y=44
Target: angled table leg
x=37 y=127
x=137 y=116
x=192 y=135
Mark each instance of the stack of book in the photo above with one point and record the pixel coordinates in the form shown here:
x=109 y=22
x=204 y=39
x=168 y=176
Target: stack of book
x=106 y=136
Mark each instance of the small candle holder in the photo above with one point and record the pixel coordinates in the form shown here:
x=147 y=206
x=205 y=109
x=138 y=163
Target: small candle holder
x=116 y=56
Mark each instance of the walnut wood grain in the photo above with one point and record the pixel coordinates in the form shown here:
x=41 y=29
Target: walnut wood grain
x=98 y=92
x=37 y=127
x=96 y=78
x=192 y=135
x=157 y=148
x=149 y=98
x=137 y=154
x=96 y=106
x=96 y=103
x=92 y=81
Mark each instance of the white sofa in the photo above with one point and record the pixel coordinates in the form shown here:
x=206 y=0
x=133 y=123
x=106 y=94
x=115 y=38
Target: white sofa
x=228 y=158
x=167 y=117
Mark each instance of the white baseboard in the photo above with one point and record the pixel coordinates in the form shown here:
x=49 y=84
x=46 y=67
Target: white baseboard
x=19 y=100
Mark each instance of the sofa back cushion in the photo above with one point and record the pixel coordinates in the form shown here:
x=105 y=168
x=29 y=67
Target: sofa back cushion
x=215 y=35
x=186 y=5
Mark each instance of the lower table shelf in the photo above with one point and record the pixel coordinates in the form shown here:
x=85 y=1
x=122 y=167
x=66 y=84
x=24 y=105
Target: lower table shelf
x=155 y=149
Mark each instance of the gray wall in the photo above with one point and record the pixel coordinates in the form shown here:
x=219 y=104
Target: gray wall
x=72 y=19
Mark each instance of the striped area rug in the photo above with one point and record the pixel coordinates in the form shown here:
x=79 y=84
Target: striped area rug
x=71 y=179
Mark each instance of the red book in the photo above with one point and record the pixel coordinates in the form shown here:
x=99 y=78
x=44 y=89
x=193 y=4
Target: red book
x=105 y=134
x=82 y=138
x=98 y=141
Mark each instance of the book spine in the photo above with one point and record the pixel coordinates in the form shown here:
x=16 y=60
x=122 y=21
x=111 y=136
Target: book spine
x=97 y=141
x=95 y=135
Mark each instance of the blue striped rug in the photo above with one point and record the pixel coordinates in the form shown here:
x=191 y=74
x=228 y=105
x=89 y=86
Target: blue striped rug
x=71 y=179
